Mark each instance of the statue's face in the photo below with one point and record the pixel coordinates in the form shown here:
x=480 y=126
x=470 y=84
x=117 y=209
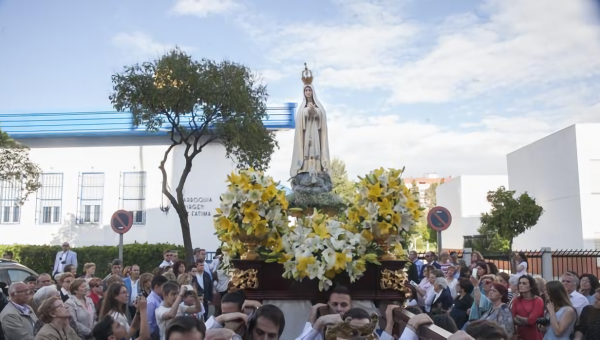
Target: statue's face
x=308 y=92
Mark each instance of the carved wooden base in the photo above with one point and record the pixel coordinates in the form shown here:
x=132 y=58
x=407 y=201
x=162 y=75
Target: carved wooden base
x=376 y=283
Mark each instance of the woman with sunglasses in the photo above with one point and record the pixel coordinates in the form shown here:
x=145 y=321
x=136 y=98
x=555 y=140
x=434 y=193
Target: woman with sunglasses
x=527 y=308
x=55 y=315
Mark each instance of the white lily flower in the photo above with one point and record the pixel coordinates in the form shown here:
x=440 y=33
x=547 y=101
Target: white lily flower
x=329 y=257
x=254 y=195
x=372 y=209
x=226 y=208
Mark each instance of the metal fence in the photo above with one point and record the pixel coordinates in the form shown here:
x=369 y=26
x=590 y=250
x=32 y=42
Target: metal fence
x=503 y=262
x=578 y=261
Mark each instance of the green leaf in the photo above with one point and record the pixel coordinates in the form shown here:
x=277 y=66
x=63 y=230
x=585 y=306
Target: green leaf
x=249 y=231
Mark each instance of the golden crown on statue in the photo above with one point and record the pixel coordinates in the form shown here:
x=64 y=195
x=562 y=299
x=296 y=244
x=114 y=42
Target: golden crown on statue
x=307 y=76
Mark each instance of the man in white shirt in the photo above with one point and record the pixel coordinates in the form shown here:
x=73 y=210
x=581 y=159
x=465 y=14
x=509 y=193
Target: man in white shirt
x=167 y=259
x=171 y=306
x=63 y=258
x=570 y=282
x=203 y=284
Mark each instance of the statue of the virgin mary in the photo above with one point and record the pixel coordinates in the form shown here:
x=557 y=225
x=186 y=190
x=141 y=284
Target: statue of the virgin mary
x=311 y=146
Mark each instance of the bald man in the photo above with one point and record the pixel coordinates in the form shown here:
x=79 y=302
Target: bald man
x=17 y=318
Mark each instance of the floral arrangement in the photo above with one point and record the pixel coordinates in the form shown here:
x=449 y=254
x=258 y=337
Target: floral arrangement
x=384 y=209
x=252 y=213
x=321 y=247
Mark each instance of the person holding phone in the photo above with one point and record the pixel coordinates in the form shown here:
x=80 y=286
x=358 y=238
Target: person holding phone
x=171 y=306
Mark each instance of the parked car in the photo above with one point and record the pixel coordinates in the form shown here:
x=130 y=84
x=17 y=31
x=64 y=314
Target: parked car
x=11 y=271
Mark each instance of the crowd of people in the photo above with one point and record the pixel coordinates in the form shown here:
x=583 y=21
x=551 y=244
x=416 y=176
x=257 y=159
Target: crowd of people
x=195 y=301
x=524 y=306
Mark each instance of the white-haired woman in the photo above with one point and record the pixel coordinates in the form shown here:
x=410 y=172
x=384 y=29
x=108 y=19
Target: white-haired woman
x=43 y=294
x=442 y=302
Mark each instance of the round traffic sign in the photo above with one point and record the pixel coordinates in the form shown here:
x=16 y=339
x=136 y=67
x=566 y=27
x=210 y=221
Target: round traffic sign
x=439 y=218
x=121 y=221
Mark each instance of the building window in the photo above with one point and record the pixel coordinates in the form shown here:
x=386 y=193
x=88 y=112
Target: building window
x=10 y=193
x=91 y=196
x=133 y=195
x=50 y=199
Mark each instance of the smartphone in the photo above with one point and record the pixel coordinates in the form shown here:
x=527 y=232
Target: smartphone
x=474 y=272
x=189 y=288
x=413 y=283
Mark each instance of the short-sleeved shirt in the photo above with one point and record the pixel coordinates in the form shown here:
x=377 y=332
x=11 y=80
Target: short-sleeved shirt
x=163 y=324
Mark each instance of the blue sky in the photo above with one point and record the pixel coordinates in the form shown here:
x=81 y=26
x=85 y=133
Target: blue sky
x=439 y=86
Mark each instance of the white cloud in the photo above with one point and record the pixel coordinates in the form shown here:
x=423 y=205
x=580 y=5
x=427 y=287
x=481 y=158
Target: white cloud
x=140 y=45
x=204 y=8
x=511 y=44
x=388 y=141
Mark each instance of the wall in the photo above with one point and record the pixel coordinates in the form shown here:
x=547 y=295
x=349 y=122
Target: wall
x=588 y=162
x=466 y=199
x=112 y=157
x=548 y=171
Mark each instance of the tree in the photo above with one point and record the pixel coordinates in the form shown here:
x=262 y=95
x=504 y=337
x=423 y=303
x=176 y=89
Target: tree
x=509 y=217
x=16 y=170
x=342 y=186
x=199 y=103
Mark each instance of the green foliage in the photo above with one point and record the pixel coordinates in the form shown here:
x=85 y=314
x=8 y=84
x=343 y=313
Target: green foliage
x=342 y=186
x=17 y=169
x=41 y=258
x=509 y=217
x=203 y=102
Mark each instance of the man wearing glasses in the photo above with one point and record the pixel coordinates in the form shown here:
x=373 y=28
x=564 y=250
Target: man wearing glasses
x=167 y=259
x=17 y=318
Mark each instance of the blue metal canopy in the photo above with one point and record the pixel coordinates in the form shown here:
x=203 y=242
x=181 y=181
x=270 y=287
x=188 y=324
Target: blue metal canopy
x=107 y=123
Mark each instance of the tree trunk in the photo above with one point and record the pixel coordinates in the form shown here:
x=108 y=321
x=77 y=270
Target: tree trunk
x=187 y=236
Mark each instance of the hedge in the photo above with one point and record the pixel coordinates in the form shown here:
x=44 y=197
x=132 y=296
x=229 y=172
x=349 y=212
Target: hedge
x=41 y=258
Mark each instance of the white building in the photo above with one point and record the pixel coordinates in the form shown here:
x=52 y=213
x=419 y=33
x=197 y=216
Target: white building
x=93 y=169
x=562 y=172
x=466 y=199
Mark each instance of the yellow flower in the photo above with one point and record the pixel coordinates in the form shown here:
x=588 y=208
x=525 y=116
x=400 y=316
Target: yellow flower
x=269 y=192
x=317 y=218
x=396 y=218
x=250 y=216
x=386 y=208
x=360 y=265
x=285 y=258
x=340 y=261
x=367 y=235
x=234 y=179
x=362 y=212
x=384 y=227
x=282 y=200
x=320 y=230
x=353 y=215
x=411 y=204
x=375 y=191
x=303 y=262
x=395 y=173
x=259 y=227
x=330 y=274
x=275 y=243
